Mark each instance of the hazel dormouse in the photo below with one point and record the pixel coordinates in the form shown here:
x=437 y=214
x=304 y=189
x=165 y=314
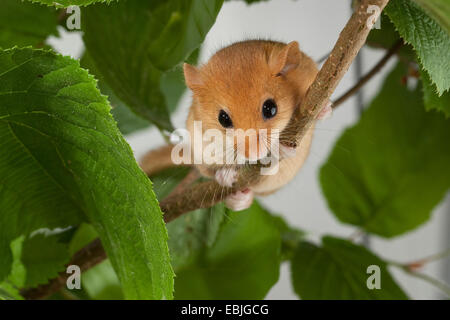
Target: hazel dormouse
x=249 y=88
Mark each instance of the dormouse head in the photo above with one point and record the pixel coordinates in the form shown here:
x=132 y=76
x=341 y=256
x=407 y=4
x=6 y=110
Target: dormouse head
x=250 y=86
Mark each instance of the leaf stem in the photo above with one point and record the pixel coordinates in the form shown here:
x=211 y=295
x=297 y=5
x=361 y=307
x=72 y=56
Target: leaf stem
x=434 y=282
x=430 y=258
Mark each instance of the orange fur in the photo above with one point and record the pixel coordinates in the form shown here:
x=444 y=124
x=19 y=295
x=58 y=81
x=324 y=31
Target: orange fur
x=239 y=78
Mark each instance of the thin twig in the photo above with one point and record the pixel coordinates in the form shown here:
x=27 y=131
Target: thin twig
x=391 y=52
x=434 y=282
x=419 y=263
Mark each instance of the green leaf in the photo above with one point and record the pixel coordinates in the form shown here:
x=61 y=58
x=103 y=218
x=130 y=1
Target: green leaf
x=66 y=160
x=84 y=235
x=127 y=121
x=439 y=10
x=388 y=172
x=290 y=237
x=338 y=271
x=231 y=255
x=191 y=233
x=133 y=42
x=431 y=98
x=387 y=36
x=67 y=3
x=172 y=87
x=9 y=292
x=430 y=41
x=23 y=24
x=167 y=179
x=101 y=282
x=43 y=257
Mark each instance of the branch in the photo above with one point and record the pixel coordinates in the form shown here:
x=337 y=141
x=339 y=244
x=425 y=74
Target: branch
x=207 y=194
x=434 y=282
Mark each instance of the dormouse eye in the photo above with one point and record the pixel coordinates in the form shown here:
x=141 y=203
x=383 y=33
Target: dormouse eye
x=225 y=119
x=269 y=109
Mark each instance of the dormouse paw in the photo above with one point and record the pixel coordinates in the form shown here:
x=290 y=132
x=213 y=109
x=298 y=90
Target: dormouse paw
x=326 y=111
x=226 y=177
x=240 y=200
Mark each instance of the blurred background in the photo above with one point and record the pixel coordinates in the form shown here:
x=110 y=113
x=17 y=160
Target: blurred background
x=301 y=203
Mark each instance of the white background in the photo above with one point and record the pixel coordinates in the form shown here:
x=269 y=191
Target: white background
x=316 y=26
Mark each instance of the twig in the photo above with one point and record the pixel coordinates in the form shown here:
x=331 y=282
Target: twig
x=417 y=264
x=206 y=194
x=434 y=282
x=391 y=52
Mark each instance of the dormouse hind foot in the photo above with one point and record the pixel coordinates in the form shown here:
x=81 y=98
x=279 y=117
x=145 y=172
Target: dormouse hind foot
x=240 y=200
x=226 y=176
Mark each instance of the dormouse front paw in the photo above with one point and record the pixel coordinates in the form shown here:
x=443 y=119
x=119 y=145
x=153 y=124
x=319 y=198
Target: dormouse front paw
x=326 y=111
x=240 y=200
x=226 y=177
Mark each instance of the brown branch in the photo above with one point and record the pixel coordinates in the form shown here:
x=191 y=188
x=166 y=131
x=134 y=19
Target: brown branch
x=206 y=194
x=391 y=52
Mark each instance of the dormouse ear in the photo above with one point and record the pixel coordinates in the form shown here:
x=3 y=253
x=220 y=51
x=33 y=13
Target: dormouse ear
x=288 y=58
x=192 y=76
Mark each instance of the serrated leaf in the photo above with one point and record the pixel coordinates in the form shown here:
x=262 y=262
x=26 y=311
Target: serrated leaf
x=242 y=262
x=387 y=36
x=431 y=99
x=132 y=42
x=430 y=41
x=83 y=235
x=23 y=24
x=43 y=257
x=172 y=86
x=190 y=233
x=388 y=172
x=439 y=10
x=338 y=271
x=63 y=160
